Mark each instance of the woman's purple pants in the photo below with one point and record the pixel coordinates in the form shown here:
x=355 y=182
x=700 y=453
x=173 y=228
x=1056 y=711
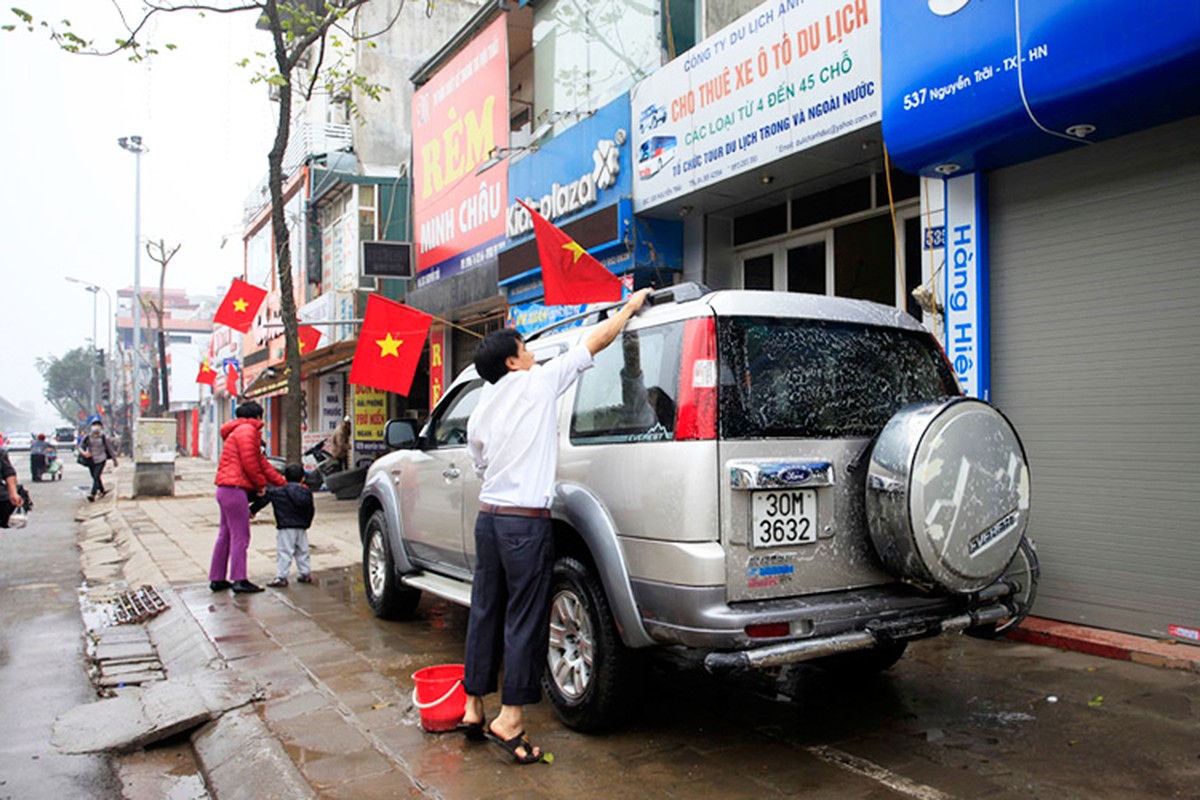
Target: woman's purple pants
x=233 y=538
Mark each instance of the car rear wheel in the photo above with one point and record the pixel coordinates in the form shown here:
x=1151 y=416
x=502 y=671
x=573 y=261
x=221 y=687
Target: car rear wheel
x=386 y=596
x=588 y=668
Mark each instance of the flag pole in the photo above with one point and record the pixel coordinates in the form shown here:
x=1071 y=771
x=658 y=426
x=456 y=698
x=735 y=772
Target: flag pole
x=435 y=317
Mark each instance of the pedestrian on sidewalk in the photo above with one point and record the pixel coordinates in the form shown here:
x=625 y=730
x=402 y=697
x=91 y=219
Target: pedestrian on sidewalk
x=37 y=457
x=512 y=439
x=294 y=510
x=96 y=451
x=242 y=469
x=10 y=500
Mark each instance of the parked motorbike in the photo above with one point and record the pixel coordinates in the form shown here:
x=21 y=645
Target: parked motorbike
x=326 y=465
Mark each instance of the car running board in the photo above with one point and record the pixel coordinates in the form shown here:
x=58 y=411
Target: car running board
x=446 y=588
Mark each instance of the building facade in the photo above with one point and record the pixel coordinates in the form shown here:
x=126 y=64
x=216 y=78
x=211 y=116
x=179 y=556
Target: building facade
x=1060 y=148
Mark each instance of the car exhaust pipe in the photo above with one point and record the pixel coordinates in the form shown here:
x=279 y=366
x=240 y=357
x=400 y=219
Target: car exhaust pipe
x=794 y=652
x=788 y=652
x=996 y=613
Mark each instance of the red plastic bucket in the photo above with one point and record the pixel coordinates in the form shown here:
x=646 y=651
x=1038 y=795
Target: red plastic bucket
x=440 y=696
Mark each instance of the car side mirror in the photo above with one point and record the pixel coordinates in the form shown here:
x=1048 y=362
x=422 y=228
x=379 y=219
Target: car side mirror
x=400 y=434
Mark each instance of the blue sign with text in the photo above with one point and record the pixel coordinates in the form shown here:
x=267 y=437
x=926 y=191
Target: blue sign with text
x=984 y=84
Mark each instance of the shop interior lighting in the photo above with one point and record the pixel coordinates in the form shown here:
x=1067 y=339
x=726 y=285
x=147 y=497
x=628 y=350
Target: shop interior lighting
x=946 y=169
x=498 y=154
x=766 y=180
x=1081 y=131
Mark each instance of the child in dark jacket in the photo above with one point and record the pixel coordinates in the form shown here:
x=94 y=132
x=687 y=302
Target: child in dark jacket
x=293 y=504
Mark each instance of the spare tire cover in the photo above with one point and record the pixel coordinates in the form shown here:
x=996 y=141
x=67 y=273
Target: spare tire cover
x=948 y=494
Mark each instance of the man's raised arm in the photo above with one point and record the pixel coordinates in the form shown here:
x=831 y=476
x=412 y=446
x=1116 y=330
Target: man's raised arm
x=606 y=332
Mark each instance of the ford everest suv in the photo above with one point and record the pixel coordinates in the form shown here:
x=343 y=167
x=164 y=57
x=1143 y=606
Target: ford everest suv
x=762 y=478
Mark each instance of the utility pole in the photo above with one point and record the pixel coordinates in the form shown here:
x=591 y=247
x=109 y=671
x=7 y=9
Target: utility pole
x=134 y=145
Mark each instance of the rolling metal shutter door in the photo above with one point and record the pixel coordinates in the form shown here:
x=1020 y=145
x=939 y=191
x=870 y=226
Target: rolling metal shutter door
x=1095 y=281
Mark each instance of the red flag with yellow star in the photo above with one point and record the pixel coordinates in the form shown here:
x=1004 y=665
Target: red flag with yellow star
x=389 y=345
x=240 y=305
x=571 y=276
x=206 y=374
x=309 y=338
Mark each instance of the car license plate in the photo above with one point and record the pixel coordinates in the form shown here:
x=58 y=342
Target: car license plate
x=785 y=517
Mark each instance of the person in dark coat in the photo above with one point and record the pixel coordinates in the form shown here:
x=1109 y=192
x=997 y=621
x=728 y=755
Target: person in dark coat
x=37 y=457
x=10 y=499
x=294 y=510
x=98 y=451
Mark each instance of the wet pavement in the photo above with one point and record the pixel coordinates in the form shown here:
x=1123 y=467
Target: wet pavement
x=42 y=666
x=955 y=718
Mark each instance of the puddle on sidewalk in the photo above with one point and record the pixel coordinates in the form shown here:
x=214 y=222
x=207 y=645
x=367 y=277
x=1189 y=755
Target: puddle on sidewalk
x=164 y=771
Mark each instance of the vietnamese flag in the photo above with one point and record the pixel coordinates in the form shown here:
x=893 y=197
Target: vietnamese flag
x=206 y=374
x=389 y=345
x=309 y=337
x=231 y=377
x=240 y=305
x=571 y=276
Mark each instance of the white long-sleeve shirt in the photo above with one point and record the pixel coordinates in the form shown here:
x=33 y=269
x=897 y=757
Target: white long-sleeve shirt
x=512 y=436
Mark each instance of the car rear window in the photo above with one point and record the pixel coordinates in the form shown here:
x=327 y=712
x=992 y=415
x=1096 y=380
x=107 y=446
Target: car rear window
x=817 y=379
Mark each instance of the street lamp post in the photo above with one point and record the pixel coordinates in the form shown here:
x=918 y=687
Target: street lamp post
x=95 y=290
x=134 y=145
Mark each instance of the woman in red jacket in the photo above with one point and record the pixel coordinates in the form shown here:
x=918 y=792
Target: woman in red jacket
x=242 y=470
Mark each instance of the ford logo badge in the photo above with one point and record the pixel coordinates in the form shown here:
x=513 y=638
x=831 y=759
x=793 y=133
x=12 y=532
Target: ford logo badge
x=795 y=475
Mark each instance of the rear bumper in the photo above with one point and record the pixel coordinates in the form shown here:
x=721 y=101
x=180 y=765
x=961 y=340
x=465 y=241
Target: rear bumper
x=820 y=625
x=793 y=652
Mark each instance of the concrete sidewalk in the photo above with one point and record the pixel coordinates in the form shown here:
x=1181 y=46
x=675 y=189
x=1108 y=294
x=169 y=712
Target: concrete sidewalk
x=177 y=533
x=166 y=542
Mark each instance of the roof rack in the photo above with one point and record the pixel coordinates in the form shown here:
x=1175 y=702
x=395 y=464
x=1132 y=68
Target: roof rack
x=675 y=293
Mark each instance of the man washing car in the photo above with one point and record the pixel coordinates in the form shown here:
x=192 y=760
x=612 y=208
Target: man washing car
x=512 y=440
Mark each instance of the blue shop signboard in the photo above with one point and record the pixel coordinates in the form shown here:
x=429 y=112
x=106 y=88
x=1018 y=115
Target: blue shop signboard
x=582 y=181
x=981 y=85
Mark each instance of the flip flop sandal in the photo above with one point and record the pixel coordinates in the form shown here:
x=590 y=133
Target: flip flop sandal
x=510 y=746
x=472 y=730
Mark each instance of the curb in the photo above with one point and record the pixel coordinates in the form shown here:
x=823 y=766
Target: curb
x=1107 y=644
x=237 y=755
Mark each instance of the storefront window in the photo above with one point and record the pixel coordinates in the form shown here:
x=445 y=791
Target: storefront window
x=760 y=224
x=864 y=261
x=806 y=268
x=759 y=272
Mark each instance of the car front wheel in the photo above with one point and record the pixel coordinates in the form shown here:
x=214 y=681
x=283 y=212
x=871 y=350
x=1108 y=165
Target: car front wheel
x=386 y=596
x=588 y=668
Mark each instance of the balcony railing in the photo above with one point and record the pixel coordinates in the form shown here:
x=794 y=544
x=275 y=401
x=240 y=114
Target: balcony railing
x=306 y=140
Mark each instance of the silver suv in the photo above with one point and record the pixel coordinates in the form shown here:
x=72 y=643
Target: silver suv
x=762 y=478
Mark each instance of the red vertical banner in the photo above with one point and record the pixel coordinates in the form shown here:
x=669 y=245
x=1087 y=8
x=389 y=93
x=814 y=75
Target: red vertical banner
x=460 y=117
x=437 y=364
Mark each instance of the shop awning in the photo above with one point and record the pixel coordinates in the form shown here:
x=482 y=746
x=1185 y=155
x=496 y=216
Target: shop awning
x=272 y=380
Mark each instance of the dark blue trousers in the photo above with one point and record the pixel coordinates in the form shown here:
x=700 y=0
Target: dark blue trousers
x=510 y=607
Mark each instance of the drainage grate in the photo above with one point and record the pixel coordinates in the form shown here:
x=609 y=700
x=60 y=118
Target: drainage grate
x=135 y=605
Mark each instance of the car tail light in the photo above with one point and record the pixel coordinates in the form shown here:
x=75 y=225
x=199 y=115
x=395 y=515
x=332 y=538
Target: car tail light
x=768 y=630
x=697 y=415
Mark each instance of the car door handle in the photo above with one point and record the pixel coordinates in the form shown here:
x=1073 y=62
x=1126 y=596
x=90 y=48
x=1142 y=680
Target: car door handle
x=451 y=473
